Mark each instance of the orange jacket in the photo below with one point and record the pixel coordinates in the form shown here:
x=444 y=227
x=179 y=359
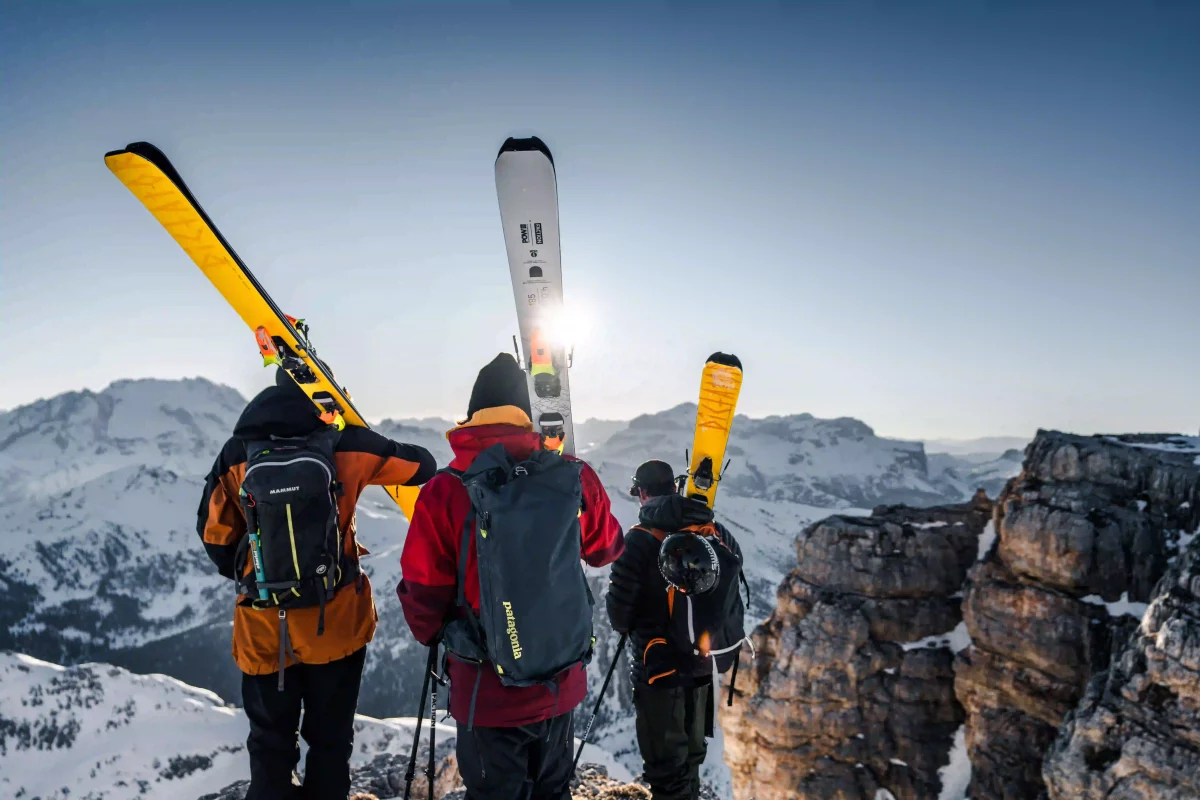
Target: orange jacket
x=362 y=458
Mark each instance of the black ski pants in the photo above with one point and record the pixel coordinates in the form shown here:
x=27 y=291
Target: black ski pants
x=671 y=726
x=329 y=696
x=532 y=762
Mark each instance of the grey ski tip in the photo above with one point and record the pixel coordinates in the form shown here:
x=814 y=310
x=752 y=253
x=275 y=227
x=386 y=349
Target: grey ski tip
x=533 y=143
x=725 y=359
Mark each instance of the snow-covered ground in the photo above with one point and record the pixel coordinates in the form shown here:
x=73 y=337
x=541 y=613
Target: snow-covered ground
x=956 y=776
x=103 y=733
x=957 y=640
x=1119 y=607
x=1171 y=444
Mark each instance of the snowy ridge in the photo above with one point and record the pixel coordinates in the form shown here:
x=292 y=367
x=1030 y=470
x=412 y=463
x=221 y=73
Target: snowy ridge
x=964 y=475
x=1168 y=442
x=833 y=464
x=432 y=439
x=53 y=445
x=112 y=558
x=101 y=732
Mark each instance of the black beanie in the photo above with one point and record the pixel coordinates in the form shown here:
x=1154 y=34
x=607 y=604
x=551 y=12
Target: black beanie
x=655 y=477
x=501 y=383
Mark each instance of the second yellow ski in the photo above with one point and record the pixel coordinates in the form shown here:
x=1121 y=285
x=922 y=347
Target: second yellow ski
x=720 y=385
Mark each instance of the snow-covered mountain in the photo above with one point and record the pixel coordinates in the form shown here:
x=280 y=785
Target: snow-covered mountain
x=104 y=733
x=829 y=463
x=99 y=559
x=53 y=445
x=964 y=474
x=589 y=434
x=985 y=448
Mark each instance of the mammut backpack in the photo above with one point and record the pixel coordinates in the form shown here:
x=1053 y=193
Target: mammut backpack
x=705 y=631
x=289 y=494
x=535 y=607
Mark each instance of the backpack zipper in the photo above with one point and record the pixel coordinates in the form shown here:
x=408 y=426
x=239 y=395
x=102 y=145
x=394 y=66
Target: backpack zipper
x=316 y=461
x=292 y=539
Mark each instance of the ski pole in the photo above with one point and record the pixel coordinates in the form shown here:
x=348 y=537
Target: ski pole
x=412 y=756
x=433 y=716
x=607 y=678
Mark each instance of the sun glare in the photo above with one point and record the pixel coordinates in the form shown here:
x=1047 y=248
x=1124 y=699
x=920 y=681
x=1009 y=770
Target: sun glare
x=567 y=327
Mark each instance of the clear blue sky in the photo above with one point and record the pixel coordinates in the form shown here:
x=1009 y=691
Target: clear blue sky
x=947 y=220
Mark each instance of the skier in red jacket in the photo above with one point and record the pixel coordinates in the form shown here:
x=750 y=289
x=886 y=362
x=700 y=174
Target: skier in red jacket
x=522 y=736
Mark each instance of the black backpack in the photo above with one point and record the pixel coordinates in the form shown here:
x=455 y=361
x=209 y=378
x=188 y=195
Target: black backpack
x=704 y=633
x=289 y=493
x=535 y=607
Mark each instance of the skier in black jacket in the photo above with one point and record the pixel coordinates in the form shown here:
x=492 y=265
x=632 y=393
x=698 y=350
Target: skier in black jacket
x=673 y=695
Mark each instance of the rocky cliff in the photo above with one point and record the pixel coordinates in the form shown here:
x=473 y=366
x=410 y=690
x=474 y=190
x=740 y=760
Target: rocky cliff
x=850 y=695
x=1136 y=735
x=1083 y=535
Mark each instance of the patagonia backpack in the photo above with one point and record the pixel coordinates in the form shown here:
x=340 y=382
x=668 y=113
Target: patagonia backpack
x=535 y=607
x=705 y=631
x=289 y=494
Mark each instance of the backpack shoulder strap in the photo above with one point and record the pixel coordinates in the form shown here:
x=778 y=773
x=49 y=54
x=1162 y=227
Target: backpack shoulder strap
x=704 y=529
x=464 y=545
x=655 y=532
x=327 y=437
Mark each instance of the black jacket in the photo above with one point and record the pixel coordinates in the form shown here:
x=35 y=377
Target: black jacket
x=637 y=591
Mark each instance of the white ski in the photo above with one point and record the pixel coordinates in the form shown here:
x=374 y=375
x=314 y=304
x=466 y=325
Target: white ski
x=528 y=194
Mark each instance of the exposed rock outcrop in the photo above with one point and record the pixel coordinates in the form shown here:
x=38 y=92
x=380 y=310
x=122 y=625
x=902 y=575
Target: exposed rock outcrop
x=378 y=781
x=851 y=691
x=1084 y=533
x=383 y=776
x=1136 y=735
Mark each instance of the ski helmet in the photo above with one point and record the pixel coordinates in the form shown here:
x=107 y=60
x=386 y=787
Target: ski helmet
x=689 y=563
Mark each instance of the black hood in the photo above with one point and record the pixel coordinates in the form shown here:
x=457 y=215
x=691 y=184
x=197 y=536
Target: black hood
x=674 y=512
x=281 y=410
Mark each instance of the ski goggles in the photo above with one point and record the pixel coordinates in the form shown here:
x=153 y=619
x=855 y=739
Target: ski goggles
x=635 y=488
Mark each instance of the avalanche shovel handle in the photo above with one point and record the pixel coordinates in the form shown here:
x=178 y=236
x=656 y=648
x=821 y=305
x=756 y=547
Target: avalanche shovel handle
x=260 y=574
x=592 y=721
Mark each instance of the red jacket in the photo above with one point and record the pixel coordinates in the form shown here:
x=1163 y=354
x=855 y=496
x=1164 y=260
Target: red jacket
x=428 y=590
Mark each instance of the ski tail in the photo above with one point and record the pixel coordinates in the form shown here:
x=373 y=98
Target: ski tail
x=725 y=359
x=720 y=385
x=533 y=143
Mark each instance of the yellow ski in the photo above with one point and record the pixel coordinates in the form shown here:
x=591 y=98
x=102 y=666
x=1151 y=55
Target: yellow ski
x=719 y=388
x=281 y=339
